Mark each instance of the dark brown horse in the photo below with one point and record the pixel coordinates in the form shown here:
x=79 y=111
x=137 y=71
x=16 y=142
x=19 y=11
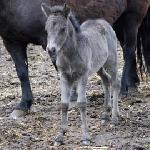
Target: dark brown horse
x=126 y=28
x=22 y=22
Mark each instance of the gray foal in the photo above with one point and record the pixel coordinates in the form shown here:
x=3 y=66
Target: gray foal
x=81 y=51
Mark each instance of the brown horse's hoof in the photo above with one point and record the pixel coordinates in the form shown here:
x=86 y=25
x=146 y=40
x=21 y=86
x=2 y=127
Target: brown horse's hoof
x=17 y=113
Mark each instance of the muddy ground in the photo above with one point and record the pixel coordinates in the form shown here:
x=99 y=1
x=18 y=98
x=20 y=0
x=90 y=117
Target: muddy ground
x=38 y=129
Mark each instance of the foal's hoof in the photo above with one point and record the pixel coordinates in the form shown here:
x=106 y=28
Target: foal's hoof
x=114 y=122
x=86 y=142
x=105 y=118
x=17 y=113
x=56 y=143
x=59 y=140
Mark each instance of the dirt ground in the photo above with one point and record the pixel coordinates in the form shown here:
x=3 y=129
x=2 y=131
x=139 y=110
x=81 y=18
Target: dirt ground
x=38 y=129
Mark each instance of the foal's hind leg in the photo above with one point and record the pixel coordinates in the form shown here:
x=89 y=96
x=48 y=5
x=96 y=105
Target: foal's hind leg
x=116 y=90
x=65 y=98
x=116 y=84
x=107 y=91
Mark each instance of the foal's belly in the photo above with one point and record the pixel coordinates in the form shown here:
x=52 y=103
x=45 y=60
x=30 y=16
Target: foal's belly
x=98 y=63
x=99 y=56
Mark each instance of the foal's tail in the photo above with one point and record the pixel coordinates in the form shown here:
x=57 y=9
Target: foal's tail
x=0 y=52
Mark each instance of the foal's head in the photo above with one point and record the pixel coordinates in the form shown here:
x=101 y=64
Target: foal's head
x=60 y=26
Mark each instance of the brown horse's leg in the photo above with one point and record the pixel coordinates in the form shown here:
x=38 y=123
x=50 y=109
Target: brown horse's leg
x=128 y=24
x=130 y=77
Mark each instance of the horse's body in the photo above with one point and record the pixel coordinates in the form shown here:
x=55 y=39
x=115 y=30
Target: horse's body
x=22 y=22
x=81 y=51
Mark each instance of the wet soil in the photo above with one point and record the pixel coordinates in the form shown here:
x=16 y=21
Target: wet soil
x=38 y=130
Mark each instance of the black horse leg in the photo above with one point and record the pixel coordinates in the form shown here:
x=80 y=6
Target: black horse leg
x=129 y=77
x=19 y=56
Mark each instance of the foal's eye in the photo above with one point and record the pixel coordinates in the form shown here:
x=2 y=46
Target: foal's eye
x=62 y=30
x=54 y=23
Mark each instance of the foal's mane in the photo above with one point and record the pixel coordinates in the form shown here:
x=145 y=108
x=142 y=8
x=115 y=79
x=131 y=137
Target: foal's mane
x=57 y=9
x=74 y=22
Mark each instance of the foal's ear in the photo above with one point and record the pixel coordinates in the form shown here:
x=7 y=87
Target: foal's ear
x=46 y=9
x=66 y=10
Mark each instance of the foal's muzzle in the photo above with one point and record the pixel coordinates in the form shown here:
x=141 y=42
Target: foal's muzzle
x=51 y=51
x=53 y=55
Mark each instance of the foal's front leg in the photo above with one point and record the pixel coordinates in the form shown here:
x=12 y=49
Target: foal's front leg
x=65 y=98
x=81 y=101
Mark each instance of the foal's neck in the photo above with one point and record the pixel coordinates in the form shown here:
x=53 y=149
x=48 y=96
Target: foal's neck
x=70 y=46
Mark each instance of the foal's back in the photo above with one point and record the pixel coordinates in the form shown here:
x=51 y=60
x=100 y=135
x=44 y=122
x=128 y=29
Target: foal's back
x=101 y=43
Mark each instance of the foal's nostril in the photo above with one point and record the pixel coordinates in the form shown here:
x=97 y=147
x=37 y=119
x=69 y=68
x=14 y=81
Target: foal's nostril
x=53 y=50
